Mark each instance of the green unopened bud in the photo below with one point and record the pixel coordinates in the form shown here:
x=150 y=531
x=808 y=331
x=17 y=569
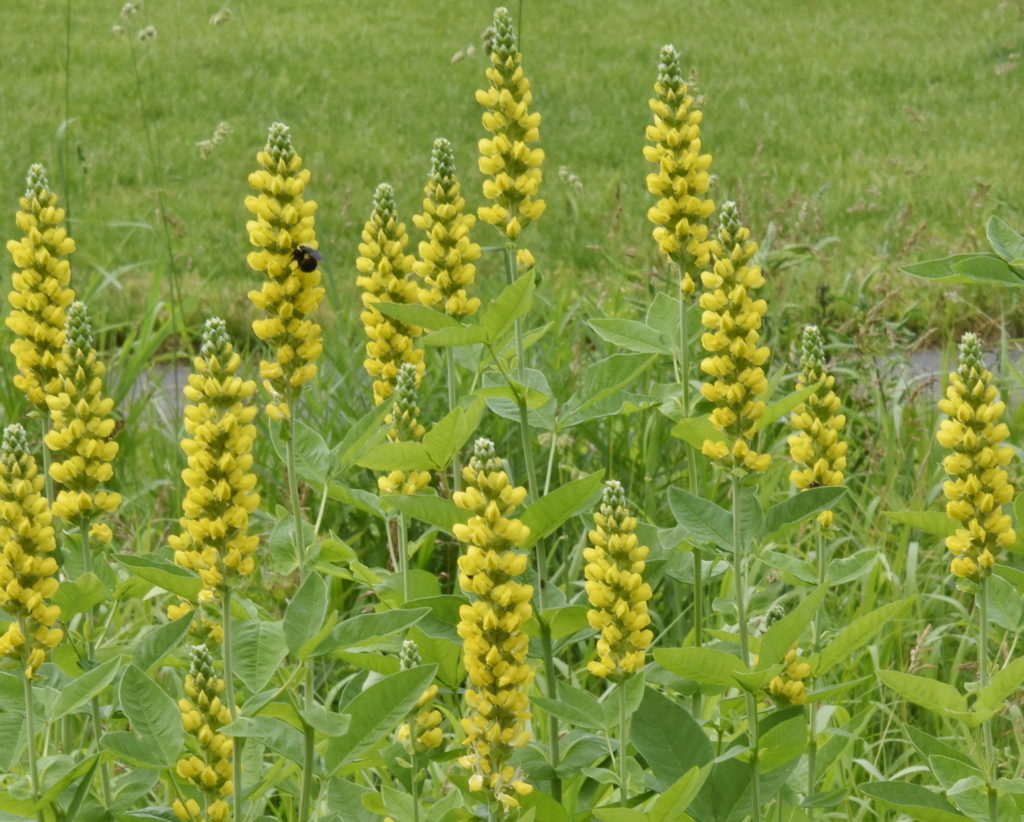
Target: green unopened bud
x=36 y=184
x=972 y=361
x=442 y=161
x=279 y=143
x=729 y=221
x=484 y=457
x=216 y=342
x=812 y=354
x=384 y=207
x=14 y=444
x=670 y=70
x=504 y=43
x=409 y=656
x=78 y=337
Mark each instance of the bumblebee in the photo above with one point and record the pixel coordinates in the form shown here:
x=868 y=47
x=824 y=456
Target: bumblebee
x=307 y=257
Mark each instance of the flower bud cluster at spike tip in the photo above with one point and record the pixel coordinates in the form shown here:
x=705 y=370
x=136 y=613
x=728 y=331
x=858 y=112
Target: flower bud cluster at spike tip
x=616 y=588
x=506 y=157
x=40 y=290
x=215 y=541
x=681 y=182
x=405 y=427
x=384 y=269
x=283 y=232
x=82 y=426
x=491 y=627
x=28 y=570
x=446 y=256
x=203 y=714
x=978 y=486
x=423 y=732
x=788 y=687
x=817 y=449
x=735 y=378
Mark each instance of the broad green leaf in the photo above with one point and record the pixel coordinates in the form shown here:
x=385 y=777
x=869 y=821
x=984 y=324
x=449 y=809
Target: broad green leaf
x=601 y=380
x=928 y=693
x=914 y=800
x=277 y=735
x=364 y=628
x=549 y=512
x=83 y=790
x=504 y=391
x=442 y=513
x=358 y=435
x=79 y=595
x=1006 y=242
x=563 y=621
x=988 y=268
x=416 y=314
x=574 y=706
x=313 y=459
x=543 y=808
x=305 y=614
x=159 y=642
x=847 y=569
x=356 y=498
x=950 y=772
x=931 y=522
x=707 y=666
x=450 y=433
x=399 y=805
x=776 y=410
x=1004 y=604
x=451 y=337
x=672 y=804
x=79 y=691
x=703 y=520
x=375 y=712
x=667 y=737
x=507 y=307
x=396 y=456
x=620 y=815
x=54 y=787
x=795 y=566
x=163 y=573
x=1003 y=684
x=539 y=397
x=777 y=641
x=154 y=716
x=630 y=335
x=782 y=743
x=857 y=634
x=258 y=648
x=800 y=506
x=695 y=430
x=943 y=269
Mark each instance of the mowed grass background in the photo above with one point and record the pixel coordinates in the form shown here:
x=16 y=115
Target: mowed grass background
x=892 y=126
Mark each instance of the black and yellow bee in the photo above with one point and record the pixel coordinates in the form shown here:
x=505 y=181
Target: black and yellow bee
x=307 y=257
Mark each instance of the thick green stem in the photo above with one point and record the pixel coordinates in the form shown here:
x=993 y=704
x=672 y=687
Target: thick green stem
x=453 y=399
x=229 y=688
x=990 y=757
x=47 y=459
x=623 y=744
x=414 y=783
x=812 y=741
x=293 y=493
x=90 y=652
x=403 y=554
x=741 y=612
x=551 y=686
x=30 y=720
x=308 y=752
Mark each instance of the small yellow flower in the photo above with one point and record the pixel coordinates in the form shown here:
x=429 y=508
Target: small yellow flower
x=283 y=231
x=491 y=627
x=40 y=290
x=28 y=569
x=405 y=427
x=735 y=378
x=616 y=588
x=682 y=181
x=817 y=449
x=979 y=484
x=423 y=731
x=512 y=167
x=215 y=541
x=384 y=270
x=789 y=687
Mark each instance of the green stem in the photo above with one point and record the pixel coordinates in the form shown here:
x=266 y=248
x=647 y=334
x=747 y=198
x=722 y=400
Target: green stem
x=623 y=744
x=293 y=493
x=90 y=651
x=550 y=685
x=308 y=751
x=413 y=781
x=449 y=355
x=741 y=612
x=812 y=742
x=990 y=758
x=403 y=555
x=229 y=688
x=30 y=719
x=47 y=459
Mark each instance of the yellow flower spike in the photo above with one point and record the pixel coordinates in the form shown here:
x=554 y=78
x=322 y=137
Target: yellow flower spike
x=405 y=427
x=491 y=627
x=40 y=290
x=733 y=319
x=214 y=541
x=789 y=687
x=682 y=180
x=423 y=731
x=28 y=569
x=82 y=427
x=817 y=449
x=615 y=587
x=384 y=270
x=203 y=714
x=447 y=255
x=283 y=231
x=512 y=166
x=979 y=485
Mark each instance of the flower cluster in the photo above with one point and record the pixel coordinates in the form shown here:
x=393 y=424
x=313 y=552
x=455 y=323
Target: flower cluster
x=506 y=157
x=208 y=629
x=446 y=256
x=284 y=234
x=384 y=269
x=492 y=626
x=817 y=448
x=734 y=365
x=681 y=182
x=405 y=427
x=423 y=732
x=203 y=714
x=40 y=291
x=28 y=570
x=82 y=427
x=215 y=541
x=979 y=485
x=616 y=588
x=789 y=687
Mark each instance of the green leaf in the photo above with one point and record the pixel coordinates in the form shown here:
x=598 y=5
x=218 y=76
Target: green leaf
x=562 y=621
x=1004 y=604
x=601 y=380
x=539 y=397
x=442 y=513
x=574 y=706
x=620 y=815
x=777 y=641
x=534 y=398
x=708 y=666
x=701 y=519
x=667 y=737
x=365 y=628
x=928 y=693
x=695 y=430
x=944 y=269
x=375 y=712
x=794 y=566
x=453 y=337
x=672 y=804
x=258 y=648
x=159 y=642
x=416 y=314
x=79 y=595
x=313 y=459
x=847 y=569
x=154 y=716
x=79 y=691
x=987 y=268
x=396 y=456
x=800 y=506
x=450 y=433
x=356 y=498
x=857 y=634
x=81 y=792
x=1005 y=242
x=931 y=522
x=163 y=573
x=1003 y=684
x=782 y=743
x=549 y=512
x=630 y=335
x=776 y=410
x=359 y=434
x=305 y=614
x=918 y=802
x=507 y=307
x=277 y=735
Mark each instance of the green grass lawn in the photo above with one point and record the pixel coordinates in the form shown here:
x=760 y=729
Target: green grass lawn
x=892 y=127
